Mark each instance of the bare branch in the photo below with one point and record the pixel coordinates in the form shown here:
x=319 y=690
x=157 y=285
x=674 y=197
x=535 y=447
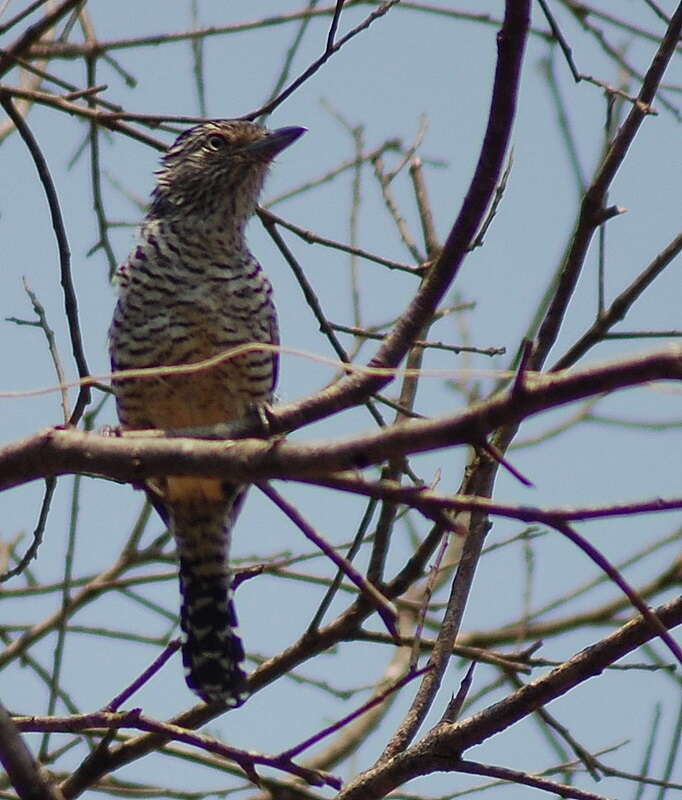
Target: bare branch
x=426 y=756
x=135 y=457
x=70 y=299
x=24 y=772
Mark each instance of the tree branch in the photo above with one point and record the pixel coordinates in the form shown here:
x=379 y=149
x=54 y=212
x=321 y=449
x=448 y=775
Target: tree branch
x=439 y=749
x=134 y=458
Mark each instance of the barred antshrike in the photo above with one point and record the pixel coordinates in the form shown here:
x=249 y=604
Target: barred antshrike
x=190 y=290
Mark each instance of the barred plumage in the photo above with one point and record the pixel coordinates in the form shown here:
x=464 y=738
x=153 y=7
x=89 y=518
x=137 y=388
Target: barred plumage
x=189 y=290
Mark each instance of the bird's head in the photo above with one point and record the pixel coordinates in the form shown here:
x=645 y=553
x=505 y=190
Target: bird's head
x=217 y=169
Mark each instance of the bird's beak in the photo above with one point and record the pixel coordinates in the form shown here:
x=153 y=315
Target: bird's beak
x=275 y=141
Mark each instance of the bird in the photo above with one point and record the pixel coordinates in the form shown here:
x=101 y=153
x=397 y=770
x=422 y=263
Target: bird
x=190 y=290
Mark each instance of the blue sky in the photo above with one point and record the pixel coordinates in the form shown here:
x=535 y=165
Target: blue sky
x=407 y=67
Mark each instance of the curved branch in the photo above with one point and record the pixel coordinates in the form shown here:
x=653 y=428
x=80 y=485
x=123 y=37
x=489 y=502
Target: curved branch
x=70 y=299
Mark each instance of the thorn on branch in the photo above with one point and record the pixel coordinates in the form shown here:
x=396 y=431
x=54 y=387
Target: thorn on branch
x=455 y=705
x=605 y=214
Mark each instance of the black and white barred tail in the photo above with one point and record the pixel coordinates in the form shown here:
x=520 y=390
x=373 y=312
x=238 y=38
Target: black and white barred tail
x=212 y=651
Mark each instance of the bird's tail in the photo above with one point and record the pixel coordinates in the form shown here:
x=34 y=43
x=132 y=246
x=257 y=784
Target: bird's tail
x=212 y=651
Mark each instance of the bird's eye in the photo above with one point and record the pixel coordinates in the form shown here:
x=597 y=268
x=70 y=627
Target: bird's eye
x=216 y=142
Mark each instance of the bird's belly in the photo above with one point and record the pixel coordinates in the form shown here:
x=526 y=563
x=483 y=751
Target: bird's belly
x=196 y=399
x=219 y=391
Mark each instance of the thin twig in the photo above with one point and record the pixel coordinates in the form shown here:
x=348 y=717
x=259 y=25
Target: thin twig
x=581 y=753
x=313 y=238
x=170 y=649
x=30 y=8
x=590 y=215
x=291 y=54
x=565 y=123
x=314 y=303
x=384 y=181
x=37 y=538
x=247 y=760
x=96 y=181
x=292 y=752
x=525 y=779
x=344 y=166
x=427 y=593
x=43 y=324
x=34 y=32
x=620 y=306
x=384 y=607
x=108 y=120
x=328 y=53
x=70 y=299
x=326 y=601
x=623 y=585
